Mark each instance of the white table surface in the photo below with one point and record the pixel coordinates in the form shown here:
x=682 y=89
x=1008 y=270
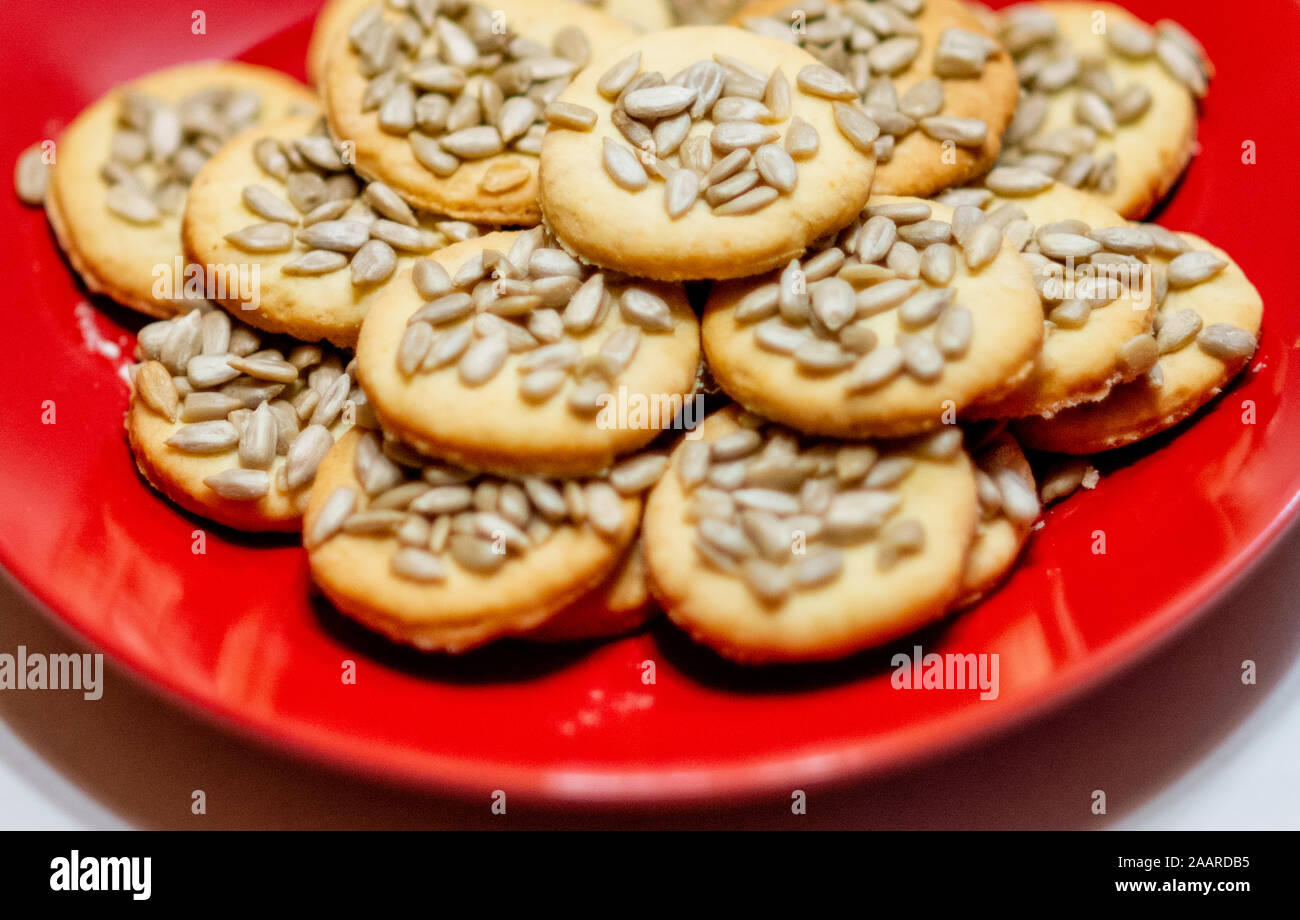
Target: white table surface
x=1177 y=743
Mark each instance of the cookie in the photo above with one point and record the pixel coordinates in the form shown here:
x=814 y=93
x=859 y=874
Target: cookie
x=337 y=15
x=1094 y=280
x=929 y=74
x=125 y=163
x=888 y=331
x=1110 y=102
x=664 y=162
x=621 y=605
x=1206 y=331
x=321 y=241
x=448 y=110
x=232 y=426
x=768 y=548
x=445 y=559
x=504 y=353
x=1008 y=503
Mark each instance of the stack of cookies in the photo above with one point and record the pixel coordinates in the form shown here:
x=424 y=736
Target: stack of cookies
x=497 y=263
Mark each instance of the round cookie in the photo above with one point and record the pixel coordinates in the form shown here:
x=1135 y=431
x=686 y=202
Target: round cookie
x=445 y=559
x=521 y=360
x=1206 y=331
x=106 y=160
x=941 y=53
x=1097 y=316
x=839 y=346
x=870 y=546
x=1008 y=501
x=716 y=200
x=1109 y=104
x=222 y=441
x=621 y=605
x=252 y=187
x=388 y=67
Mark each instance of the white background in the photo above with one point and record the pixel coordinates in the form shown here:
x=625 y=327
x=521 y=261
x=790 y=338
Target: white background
x=1177 y=742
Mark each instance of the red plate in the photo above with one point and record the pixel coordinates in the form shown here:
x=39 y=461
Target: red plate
x=233 y=633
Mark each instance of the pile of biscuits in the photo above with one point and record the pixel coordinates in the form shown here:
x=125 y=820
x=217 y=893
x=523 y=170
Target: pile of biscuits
x=455 y=315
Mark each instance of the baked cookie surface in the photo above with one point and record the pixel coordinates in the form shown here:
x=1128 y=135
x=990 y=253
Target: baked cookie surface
x=323 y=241
x=768 y=549
x=506 y=354
x=232 y=427
x=446 y=109
x=124 y=166
x=935 y=81
x=703 y=152
x=1109 y=103
x=445 y=559
x=620 y=605
x=1206 y=332
x=1008 y=501
x=1091 y=271
x=876 y=335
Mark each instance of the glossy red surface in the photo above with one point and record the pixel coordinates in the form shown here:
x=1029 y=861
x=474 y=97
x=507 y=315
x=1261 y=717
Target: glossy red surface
x=233 y=633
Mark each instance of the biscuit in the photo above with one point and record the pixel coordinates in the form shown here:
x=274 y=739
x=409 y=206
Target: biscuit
x=445 y=559
x=1206 y=332
x=714 y=200
x=620 y=605
x=236 y=445
x=190 y=110
x=337 y=15
x=769 y=550
x=1096 y=313
x=944 y=46
x=376 y=66
x=1008 y=501
x=252 y=186
x=1109 y=104
x=876 y=336
x=521 y=360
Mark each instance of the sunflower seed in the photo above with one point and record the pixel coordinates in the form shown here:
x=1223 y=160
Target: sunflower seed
x=1131 y=103
x=206 y=371
x=154 y=385
x=647 y=310
x=820 y=80
x=332 y=514
x=345 y=236
x=257 y=440
x=1193 y=268
x=1226 y=342
x=623 y=167
x=483 y=359
x=833 y=303
x=965 y=132
x=265 y=368
x=874 y=370
x=131 y=205
x=824 y=264
x=1139 y=354
x=32 y=175
x=616 y=78
x=204 y=437
x=1130 y=40
x=1071 y=314
x=1010 y=181
x=1182 y=65
x=240 y=485
x=315 y=262
x=754 y=200
x=857 y=514
x=331 y=403
x=1177 y=329
x=801 y=139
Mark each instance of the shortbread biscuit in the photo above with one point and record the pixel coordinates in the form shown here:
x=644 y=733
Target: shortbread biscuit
x=1096 y=308
x=699 y=178
x=505 y=354
x=108 y=166
x=445 y=559
x=233 y=427
x=620 y=605
x=1206 y=332
x=298 y=222
x=1008 y=501
x=769 y=550
x=395 y=83
x=1110 y=102
x=875 y=335
x=337 y=15
x=934 y=61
